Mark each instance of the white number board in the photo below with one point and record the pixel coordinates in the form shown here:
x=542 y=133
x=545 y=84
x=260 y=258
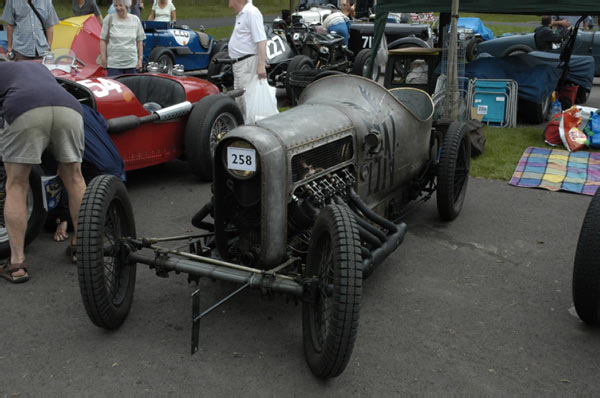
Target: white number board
x=241 y=159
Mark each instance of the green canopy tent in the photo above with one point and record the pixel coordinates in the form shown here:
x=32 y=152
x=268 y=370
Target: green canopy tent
x=554 y=7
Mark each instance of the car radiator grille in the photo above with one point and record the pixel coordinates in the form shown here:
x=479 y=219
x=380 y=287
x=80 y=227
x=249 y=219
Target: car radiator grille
x=321 y=158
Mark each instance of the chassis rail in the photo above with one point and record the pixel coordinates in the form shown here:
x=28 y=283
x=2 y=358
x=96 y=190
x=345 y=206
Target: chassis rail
x=224 y=271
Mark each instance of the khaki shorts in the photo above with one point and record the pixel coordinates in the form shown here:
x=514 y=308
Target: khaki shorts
x=25 y=139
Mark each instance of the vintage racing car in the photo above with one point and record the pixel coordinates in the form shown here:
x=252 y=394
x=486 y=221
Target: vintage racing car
x=586 y=43
x=152 y=118
x=306 y=203
x=400 y=32
x=169 y=45
x=289 y=48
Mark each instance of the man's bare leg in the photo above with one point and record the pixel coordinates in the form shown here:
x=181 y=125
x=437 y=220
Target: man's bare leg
x=70 y=173
x=15 y=210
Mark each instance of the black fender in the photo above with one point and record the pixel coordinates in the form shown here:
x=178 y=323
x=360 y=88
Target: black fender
x=178 y=51
x=412 y=40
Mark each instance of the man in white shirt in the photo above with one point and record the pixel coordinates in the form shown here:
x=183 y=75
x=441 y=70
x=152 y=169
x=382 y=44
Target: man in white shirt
x=247 y=46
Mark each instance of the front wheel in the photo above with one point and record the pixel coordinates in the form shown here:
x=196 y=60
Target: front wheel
x=453 y=171
x=586 y=269
x=298 y=63
x=163 y=57
x=330 y=320
x=106 y=277
x=36 y=213
x=361 y=65
x=211 y=118
x=471 y=50
x=220 y=74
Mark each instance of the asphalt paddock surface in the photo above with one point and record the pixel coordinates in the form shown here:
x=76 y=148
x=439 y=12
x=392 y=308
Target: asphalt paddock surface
x=477 y=307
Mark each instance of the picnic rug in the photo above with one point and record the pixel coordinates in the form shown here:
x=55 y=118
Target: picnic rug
x=557 y=169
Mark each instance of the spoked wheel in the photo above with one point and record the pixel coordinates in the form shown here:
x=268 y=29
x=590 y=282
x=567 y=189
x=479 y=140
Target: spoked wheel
x=36 y=214
x=106 y=277
x=330 y=322
x=453 y=171
x=211 y=118
x=586 y=270
x=163 y=57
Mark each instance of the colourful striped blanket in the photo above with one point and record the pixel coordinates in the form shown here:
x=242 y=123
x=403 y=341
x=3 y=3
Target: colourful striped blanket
x=557 y=169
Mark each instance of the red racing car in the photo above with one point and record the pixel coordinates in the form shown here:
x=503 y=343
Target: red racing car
x=152 y=118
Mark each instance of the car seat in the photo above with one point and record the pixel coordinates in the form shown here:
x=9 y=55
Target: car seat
x=149 y=88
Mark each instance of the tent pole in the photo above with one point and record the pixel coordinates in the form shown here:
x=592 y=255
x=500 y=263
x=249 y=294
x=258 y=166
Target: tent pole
x=452 y=87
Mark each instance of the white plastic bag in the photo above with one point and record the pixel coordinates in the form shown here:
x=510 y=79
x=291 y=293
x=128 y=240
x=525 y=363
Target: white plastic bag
x=260 y=100
x=382 y=53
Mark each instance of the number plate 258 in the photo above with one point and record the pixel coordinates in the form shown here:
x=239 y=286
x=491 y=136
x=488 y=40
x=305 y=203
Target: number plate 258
x=241 y=159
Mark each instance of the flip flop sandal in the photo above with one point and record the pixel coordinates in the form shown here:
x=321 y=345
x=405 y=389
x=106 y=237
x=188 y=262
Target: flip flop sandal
x=8 y=270
x=72 y=253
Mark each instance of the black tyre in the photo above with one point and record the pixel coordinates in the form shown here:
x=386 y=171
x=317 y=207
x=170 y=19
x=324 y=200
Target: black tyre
x=517 y=49
x=299 y=62
x=361 y=64
x=582 y=95
x=226 y=82
x=211 y=118
x=471 y=50
x=220 y=47
x=586 y=269
x=36 y=214
x=106 y=277
x=330 y=323
x=536 y=113
x=453 y=171
x=163 y=57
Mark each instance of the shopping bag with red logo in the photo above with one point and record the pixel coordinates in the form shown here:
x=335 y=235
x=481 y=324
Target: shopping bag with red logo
x=572 y=138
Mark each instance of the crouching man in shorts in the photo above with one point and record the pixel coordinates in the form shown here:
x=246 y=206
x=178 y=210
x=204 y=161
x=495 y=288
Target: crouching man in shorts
x=37 y=111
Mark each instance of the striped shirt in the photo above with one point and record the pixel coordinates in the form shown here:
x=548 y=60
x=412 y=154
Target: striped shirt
x=334 y=18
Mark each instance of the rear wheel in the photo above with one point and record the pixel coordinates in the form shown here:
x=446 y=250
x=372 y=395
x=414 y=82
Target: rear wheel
x=163 y=57
x=330 y=322
x=536 y=113
x=586 y=269
x=211 y=118
x=453 y=171
x=361 y=65
x=298 y=63
x=582 y=95
x=36 y=214
x=106 y=277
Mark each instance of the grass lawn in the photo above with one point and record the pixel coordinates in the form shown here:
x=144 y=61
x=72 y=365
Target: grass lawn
x=499 y=30
x=503 y=149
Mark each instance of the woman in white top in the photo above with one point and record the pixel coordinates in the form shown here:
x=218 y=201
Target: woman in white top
x=121 y=41
x=163 y=11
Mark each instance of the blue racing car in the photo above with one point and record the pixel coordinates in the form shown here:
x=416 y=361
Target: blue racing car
x=168 y=45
